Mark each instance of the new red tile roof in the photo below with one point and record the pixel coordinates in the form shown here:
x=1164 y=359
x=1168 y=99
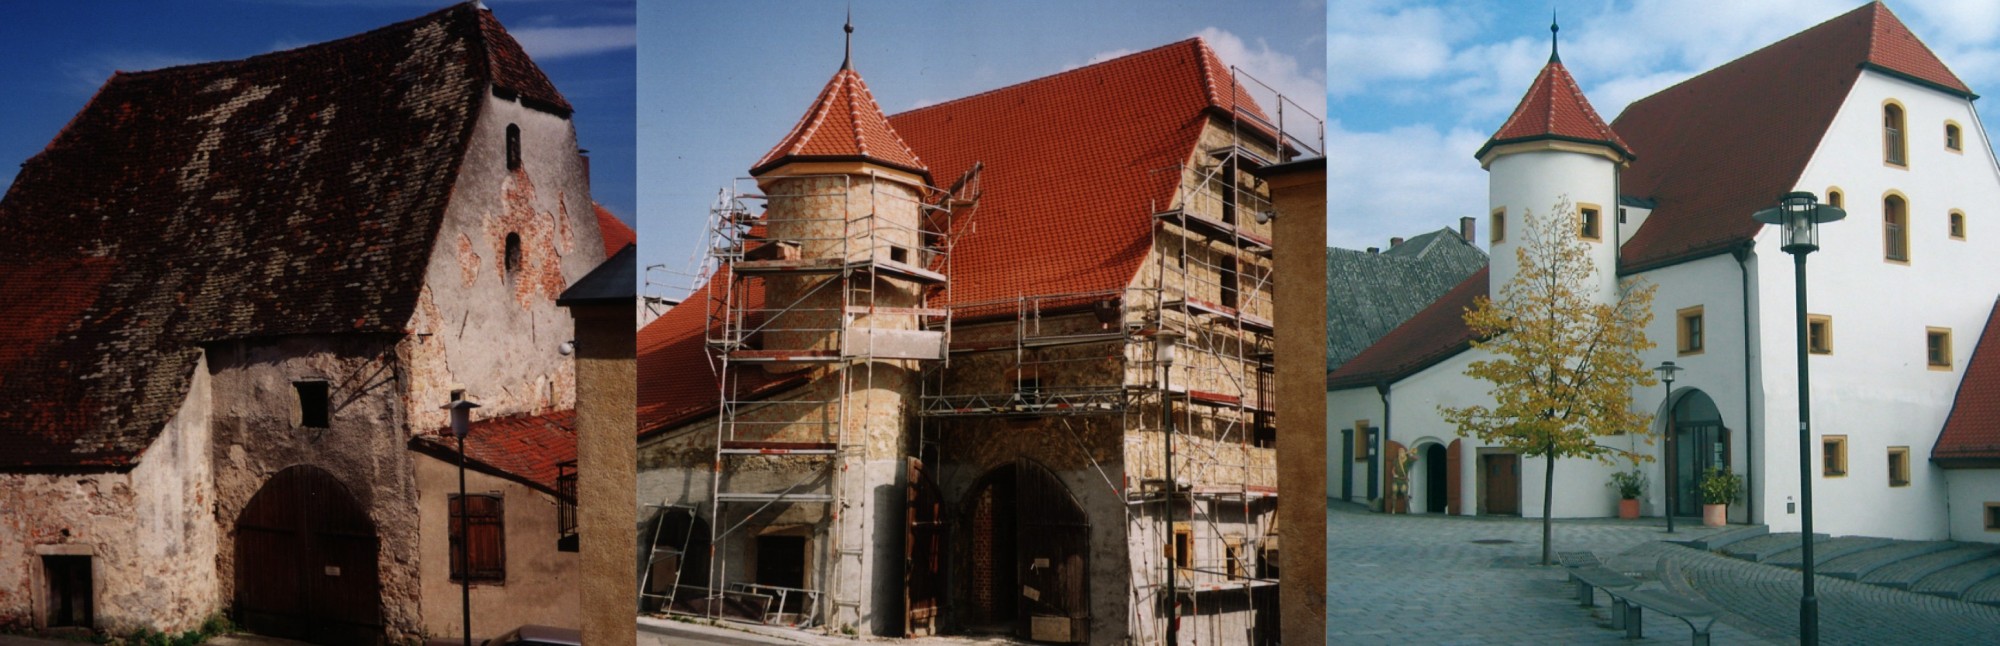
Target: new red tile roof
x=296 y=192
x=1972 y=430
x=1728 y=142
x=1554 y=108
x=616 y=234
x=1075 y=166
x=1433 y=335
x=843 y=124
x=526 y=447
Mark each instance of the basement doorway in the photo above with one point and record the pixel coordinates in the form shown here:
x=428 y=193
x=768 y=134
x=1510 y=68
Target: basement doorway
x=306 y=562
x=1028 y=544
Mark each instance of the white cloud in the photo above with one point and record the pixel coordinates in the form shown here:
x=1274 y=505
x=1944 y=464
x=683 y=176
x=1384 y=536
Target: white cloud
x=1405 y=181
x=549 y=43
x=1369 y=43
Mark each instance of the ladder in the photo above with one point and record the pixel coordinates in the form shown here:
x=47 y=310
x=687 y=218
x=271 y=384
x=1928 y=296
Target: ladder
x=655 y=553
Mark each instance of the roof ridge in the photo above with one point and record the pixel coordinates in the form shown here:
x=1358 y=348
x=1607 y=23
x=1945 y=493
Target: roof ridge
x=302 y=49
x=1046 y=77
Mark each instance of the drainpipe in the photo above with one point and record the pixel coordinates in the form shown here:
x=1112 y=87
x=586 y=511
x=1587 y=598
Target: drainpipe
x=1382 y=447
x=1742 y=255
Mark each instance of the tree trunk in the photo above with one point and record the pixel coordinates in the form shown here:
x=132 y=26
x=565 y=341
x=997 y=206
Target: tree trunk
x=1548 y=494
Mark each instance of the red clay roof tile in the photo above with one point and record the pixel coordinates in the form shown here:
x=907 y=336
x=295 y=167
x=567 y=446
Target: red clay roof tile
x=1555 y=108
x=296 y=192
x=616 y=234
x=1728 y=142
x=843 y=123
x=1433 y=335
x=528 y=447
x=1972 y=430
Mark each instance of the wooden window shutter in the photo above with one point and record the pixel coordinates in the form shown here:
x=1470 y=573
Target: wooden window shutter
x=482 y=536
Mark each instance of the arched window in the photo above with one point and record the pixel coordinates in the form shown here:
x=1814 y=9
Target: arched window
x=513 y=146
x=1895 y=229
x=513 y=254
x=1952 y=141
x=1892 y=135
x=1957 y=224
x=1835 y=199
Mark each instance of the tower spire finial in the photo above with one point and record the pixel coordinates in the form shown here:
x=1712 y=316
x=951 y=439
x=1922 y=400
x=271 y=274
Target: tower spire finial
x=847 y=58
x=1554 y=27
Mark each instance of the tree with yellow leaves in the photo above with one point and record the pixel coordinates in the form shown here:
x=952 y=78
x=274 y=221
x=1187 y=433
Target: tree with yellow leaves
x=1563 y=366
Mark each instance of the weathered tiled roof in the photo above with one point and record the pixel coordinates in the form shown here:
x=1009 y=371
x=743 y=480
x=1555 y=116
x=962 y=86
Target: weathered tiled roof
x=527 y=448
x=616 y=234
x=1433 y=335
x=1721 y=145
x=297 y=192
x=1370 y=294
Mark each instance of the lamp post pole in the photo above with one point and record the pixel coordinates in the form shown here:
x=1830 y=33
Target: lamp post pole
x=1163 y=353
x=1800 y=214
x=1667 y=370
x=461 y=422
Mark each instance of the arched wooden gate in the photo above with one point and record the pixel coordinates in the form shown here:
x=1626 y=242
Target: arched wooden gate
x=1029 y=545
x=305 y=562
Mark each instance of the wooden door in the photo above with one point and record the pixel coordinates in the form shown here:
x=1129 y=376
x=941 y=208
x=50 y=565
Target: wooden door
x=923 y=551
x=1502 y=472
x=1054 y=542
x=306 y=562
x=1452 y=457
x=72 y=602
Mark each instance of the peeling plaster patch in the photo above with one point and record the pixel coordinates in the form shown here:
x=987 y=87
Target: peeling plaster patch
x=468 y=260
x=539 y=279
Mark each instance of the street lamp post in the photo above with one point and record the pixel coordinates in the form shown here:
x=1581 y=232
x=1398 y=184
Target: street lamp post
x=461 y=423
x=1163 y=353
x=1667 y=370
x=1799 y=213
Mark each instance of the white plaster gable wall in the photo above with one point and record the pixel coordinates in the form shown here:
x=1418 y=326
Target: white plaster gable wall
x=1635 y=217
x=1715 y=284
x=1528 y=182
x=1876 y=388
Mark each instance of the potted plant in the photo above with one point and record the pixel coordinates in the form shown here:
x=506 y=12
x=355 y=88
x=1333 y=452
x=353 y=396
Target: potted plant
x=1719 y=487
x=1630 y=485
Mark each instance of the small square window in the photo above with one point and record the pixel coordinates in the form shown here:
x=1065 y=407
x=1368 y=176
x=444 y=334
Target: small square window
x=1691 y=330
x=1819 y=334
x=1182 y=548
x=1937 y=348
x=1951 y=137
x=1833 y=456
x=1591 y=224
x=1993 y=516
x=1232 y=548
x=1499 y=226
x=1899 y=466
x=314 y=411
x=899 y=254
x=1957 y=225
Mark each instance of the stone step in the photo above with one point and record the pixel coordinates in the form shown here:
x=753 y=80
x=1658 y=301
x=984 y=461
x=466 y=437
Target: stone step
x=1824 y=551
x=1859 y=564
x=1762 y=548
x=1725 y=537
x=1907 y=572
x=1986 y=592
x=1952 y=582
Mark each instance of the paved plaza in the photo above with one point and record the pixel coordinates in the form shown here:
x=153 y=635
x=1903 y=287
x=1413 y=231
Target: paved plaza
x=1455 y=580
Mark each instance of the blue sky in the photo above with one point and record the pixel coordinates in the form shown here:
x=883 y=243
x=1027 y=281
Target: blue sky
x=1416 y=86
x=721 y=83
x=54 y=55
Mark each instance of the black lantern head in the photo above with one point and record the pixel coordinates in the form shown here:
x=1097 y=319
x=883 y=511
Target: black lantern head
x=1799 y=213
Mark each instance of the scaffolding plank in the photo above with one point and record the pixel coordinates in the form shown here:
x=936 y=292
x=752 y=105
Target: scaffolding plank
x=893 y=344
x=769 y=497
x=740 y=447
x=784 y=356
x=1245 y=157
x=1217 y=229
x=909 y=311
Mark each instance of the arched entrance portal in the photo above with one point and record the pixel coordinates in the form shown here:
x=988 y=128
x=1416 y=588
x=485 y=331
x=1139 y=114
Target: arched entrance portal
x=305 y=561
x=1700 y=442
x=1028 y=543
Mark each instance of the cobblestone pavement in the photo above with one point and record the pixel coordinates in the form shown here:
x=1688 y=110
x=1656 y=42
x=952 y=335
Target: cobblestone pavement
x=1424 y=580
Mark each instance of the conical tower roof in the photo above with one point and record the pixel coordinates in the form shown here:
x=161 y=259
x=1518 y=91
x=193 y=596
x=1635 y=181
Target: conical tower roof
x=1555 y=108
x=843 y=124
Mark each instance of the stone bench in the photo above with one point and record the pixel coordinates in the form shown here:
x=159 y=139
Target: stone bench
x=1699 y=615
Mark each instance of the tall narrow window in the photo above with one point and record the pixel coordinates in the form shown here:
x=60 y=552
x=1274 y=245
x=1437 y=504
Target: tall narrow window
x=1499 y=226
x=1951 y=137
x=513 y=146
x=1895 y=229
x=478 y=538
x=1993 y=516
x=1229 y=201
x=314 y=407
x=1893 y=148
x=1592 y=225
x=1957 y=225
x=1833 y=456
x=1181 y=549
x=1835 y=199
x=1692 y=331
x=1899 y=466
x=1937 y=347
x=1228 y=276
x=512 y=257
